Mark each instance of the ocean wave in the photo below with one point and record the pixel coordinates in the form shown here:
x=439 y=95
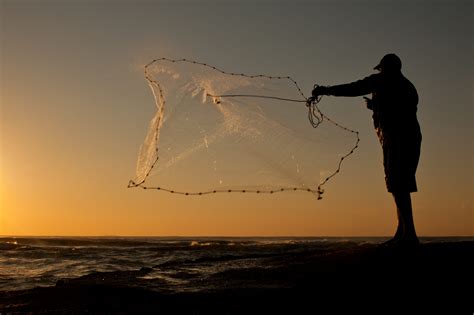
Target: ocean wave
x=28 y=262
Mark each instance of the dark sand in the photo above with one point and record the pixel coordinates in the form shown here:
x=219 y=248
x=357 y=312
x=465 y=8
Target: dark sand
x=434 y=278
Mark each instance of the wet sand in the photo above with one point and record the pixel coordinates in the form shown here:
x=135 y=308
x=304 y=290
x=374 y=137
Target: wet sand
x=433 y=278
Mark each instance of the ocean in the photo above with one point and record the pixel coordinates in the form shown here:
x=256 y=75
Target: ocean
x=175 y=264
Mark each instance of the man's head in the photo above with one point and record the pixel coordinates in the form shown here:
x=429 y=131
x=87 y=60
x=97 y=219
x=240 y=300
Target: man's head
x=389 y=63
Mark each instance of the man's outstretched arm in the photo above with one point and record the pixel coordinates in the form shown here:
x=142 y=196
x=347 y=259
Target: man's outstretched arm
x=357 y=88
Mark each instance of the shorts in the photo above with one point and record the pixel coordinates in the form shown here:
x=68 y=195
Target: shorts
x=401 y=154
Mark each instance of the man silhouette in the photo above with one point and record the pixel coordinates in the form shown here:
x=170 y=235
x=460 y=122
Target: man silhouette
x=394 y=105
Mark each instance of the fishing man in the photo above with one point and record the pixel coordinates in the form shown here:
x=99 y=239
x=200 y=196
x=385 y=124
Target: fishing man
x=394 y=104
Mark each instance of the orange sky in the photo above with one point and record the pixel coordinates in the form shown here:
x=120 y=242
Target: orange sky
x=75 y=108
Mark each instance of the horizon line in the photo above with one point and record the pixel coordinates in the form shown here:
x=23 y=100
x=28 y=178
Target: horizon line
x=236 y=236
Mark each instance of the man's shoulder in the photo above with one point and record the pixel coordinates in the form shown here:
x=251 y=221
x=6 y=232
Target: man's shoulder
x=408 y=82
x=375 y=77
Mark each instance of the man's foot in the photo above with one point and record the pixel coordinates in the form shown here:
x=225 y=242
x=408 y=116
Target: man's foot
x=398 y=235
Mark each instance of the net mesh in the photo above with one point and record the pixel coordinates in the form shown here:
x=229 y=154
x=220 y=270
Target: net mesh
x=216 y=131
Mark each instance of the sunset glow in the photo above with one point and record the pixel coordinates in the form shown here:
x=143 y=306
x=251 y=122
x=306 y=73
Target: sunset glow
x=75 y=109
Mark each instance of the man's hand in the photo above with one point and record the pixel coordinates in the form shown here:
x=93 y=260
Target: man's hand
x=319 y=90
x=369 y=103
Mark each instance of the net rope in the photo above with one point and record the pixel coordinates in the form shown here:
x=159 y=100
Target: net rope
x=315 y=116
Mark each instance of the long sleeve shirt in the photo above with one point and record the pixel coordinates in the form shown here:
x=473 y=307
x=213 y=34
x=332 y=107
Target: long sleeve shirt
x=394 y=101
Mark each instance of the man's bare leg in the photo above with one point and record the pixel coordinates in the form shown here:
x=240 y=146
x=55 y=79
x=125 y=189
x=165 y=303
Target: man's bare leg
x=406 y=226
x=400 y=230
x=400 y=227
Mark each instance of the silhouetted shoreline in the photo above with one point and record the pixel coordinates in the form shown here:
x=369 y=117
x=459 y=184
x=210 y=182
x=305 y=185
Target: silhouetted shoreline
x=438 y=277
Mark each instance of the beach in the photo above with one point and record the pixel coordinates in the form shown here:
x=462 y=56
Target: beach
x=436 y=276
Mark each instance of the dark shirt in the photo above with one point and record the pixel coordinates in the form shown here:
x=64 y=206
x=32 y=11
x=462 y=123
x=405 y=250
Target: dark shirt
x=394 y=101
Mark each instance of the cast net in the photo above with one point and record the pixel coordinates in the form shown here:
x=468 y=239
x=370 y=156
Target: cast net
x=216 y=131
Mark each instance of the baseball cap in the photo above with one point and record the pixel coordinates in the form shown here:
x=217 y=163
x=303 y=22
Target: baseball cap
x=390 y=61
